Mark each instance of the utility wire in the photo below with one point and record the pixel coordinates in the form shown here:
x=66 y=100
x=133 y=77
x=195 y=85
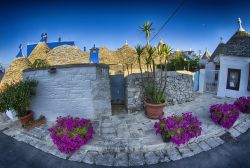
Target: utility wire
x=170 y=17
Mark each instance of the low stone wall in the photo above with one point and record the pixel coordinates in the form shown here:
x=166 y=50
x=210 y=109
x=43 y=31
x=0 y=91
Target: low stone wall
x=81 y=90
x=179 y=89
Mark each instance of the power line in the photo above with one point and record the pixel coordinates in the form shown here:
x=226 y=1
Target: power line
x=170 y=17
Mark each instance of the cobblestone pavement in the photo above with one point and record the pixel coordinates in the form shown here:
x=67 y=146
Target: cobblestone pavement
x=130 y=140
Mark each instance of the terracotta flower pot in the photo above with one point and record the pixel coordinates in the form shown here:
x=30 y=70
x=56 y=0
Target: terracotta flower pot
x=26 y=119
x=153 y=111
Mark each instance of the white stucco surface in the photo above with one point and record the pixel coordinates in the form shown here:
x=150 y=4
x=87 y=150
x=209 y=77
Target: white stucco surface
x=202 y=80
x=232 y=62
x=78 y=90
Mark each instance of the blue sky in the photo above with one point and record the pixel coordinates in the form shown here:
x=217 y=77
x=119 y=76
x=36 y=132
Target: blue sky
x=199 y=24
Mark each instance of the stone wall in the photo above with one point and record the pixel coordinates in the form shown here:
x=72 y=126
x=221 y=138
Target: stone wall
x=179 y=89
x=80 y=90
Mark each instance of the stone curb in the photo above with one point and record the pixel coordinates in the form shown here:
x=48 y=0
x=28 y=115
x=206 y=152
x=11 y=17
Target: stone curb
x=151 y=154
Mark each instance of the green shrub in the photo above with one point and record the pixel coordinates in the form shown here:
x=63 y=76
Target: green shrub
x=180 y=62
x=18 y=97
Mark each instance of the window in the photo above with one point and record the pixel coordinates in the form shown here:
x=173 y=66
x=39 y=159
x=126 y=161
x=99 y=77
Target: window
x=233 y=79
x=216 y=76
x=217 y=67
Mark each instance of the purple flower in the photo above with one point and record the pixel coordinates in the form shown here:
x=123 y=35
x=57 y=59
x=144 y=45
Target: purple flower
x=224 y=114
x=179 y=128
x=243 y=104
x=69 y=133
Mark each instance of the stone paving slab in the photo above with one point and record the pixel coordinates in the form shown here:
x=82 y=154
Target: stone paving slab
x=105 y=159
x=174 y=154
x=235 y=133
x=151 y=158
x=121 y=159
x=186 y=151
x=136 y=159
x=130 y=140
x=195 y=148
x=204 y=146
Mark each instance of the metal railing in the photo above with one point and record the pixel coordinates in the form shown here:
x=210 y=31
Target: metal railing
x=211 y=81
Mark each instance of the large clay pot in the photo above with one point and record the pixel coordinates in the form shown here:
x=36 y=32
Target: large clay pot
x=26 y=119
x=153 y=111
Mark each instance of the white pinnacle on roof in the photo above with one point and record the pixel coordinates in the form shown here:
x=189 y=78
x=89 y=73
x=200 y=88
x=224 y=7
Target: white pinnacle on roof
x=240 y=25
x=161 y=42
x=126 y=43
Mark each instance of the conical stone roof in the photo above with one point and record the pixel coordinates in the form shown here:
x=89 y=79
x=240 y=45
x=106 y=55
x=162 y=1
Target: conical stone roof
x=107 y=56
x=206 y=55
x=217 y=52
x=39 y=52
x=66 y=54
x=238 y=45
x=127 y=55
x=14 y=73
x=86 y=56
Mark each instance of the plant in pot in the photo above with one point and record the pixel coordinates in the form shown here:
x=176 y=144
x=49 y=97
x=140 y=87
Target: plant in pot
x=243 y=104
x=18 y=97
x=70 y=133
x=224 y=114
x=153 y=82
x=178 y=128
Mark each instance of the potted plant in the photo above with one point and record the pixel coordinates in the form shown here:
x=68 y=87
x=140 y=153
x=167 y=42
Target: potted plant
x=69 y=133
x=224 y=114
x=153 y=83
x=243 y=104
x=178 y=128
x=18 y=97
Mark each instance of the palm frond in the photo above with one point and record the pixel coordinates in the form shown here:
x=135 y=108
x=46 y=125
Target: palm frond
x=139 y=49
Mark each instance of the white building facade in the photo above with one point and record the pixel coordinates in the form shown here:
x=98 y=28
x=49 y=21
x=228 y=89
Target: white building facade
x=234 y=77
x=232 y=60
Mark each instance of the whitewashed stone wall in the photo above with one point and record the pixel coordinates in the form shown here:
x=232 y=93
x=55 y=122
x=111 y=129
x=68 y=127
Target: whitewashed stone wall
x=78 y=90
x=179 y=89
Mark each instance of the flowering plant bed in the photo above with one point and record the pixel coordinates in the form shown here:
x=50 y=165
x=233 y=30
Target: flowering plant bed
x=178 y=129
x=224 y=114
x=243 y=104
x=69 y=133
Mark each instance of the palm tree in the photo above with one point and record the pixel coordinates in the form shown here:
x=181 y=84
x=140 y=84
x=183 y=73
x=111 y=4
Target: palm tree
x=166 y=53
x=139 y=50
x=147 y=28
